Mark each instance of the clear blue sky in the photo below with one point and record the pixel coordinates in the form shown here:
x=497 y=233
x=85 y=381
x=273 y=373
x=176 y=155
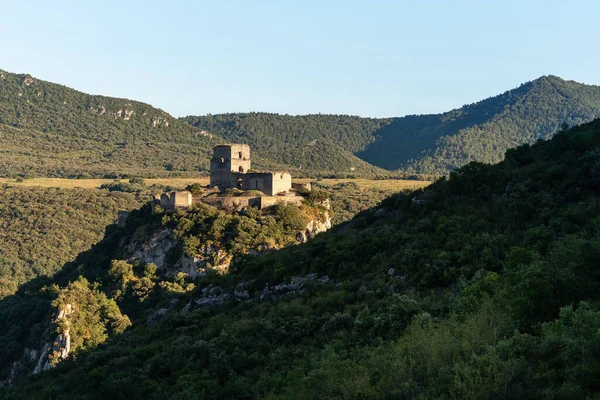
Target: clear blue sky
x=368 y=58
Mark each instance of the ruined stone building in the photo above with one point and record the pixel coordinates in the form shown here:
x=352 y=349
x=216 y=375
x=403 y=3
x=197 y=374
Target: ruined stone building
x=230 y=168
x=174 y=200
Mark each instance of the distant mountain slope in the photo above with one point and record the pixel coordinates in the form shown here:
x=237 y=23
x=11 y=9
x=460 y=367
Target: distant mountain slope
x=48 y=129
x=483 y=131
x=430 y=144
x=315 y=142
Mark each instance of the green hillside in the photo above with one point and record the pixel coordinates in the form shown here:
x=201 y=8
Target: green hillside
x=43 y=228
x=483 y=131
x=483 y=285
x=51 y=130
x=425 y=144
x=325 y=143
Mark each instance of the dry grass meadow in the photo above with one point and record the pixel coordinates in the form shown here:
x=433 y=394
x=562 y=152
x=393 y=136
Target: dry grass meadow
x=389 y=184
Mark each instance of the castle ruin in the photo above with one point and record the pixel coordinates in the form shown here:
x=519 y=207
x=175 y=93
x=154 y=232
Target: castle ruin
x=230 y=168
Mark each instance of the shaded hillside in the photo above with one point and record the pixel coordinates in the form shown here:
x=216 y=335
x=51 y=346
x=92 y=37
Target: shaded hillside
x=483 y=285
x=483 y=131
x=51 y=130
x=426 y=144
x=43 y=228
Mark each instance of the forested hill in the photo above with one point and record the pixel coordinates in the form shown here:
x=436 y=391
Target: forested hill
x=429 y=144
x=48 y=129
x=483 y=285
x=51 y=130
x=322 y=142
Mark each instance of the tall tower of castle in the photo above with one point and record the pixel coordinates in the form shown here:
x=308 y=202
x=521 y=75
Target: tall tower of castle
x=228 y=158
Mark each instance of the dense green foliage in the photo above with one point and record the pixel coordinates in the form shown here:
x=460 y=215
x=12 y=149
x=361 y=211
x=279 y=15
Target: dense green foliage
x=483 y=131
x=43 y=228
x=484 y=285
x=94 y=317
x=51 y=130
x=425 y=144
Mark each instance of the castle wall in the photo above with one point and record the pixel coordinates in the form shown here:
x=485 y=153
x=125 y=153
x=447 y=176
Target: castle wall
x=181 y=199
x=270 y=183
x=268 y=201
x=170 y=201
x=227 y=159
x=240 y=158
x=229 y=168
x=302 y=186
x=232 y=202
x=282 y=182
x=240 y=202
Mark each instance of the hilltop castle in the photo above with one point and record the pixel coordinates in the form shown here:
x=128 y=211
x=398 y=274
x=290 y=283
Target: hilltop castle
x=230 y=168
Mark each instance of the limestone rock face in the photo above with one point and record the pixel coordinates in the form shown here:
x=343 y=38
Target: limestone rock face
x=214 y=296
x=210 y=256
x=155 y=250
x=58 y=350
x=50 y=351
x=314 y=227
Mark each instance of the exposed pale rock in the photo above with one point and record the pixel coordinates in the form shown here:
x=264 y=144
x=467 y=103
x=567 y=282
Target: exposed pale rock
x=156 y=316
x=29 y=80
x=155 y=250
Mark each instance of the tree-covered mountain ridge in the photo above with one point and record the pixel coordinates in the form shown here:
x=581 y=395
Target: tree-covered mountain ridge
x=47 y=129
x=426 y=144
x=482 y=285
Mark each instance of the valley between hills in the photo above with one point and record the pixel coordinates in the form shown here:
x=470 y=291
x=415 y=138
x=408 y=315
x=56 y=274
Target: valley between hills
x=435 y=256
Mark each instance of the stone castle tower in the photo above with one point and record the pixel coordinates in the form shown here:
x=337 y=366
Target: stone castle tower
x=228 y=158
x=230 y=168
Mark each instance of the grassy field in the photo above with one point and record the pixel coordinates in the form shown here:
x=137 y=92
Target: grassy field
x=391 y=184
x=96 y=183
x=387 y=184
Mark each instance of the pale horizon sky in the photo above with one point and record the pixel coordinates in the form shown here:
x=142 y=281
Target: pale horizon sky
x=367 y=58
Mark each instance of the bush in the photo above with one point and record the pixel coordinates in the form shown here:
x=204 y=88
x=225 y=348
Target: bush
x=291 y=216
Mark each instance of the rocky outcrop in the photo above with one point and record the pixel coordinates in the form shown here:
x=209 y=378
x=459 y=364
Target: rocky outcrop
x=209 y=257
x=213 y=296
x=159 y=121
x=156 y=316
x=29 y=80
x=51 y=354
x=155 y=249
x=320 y=224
